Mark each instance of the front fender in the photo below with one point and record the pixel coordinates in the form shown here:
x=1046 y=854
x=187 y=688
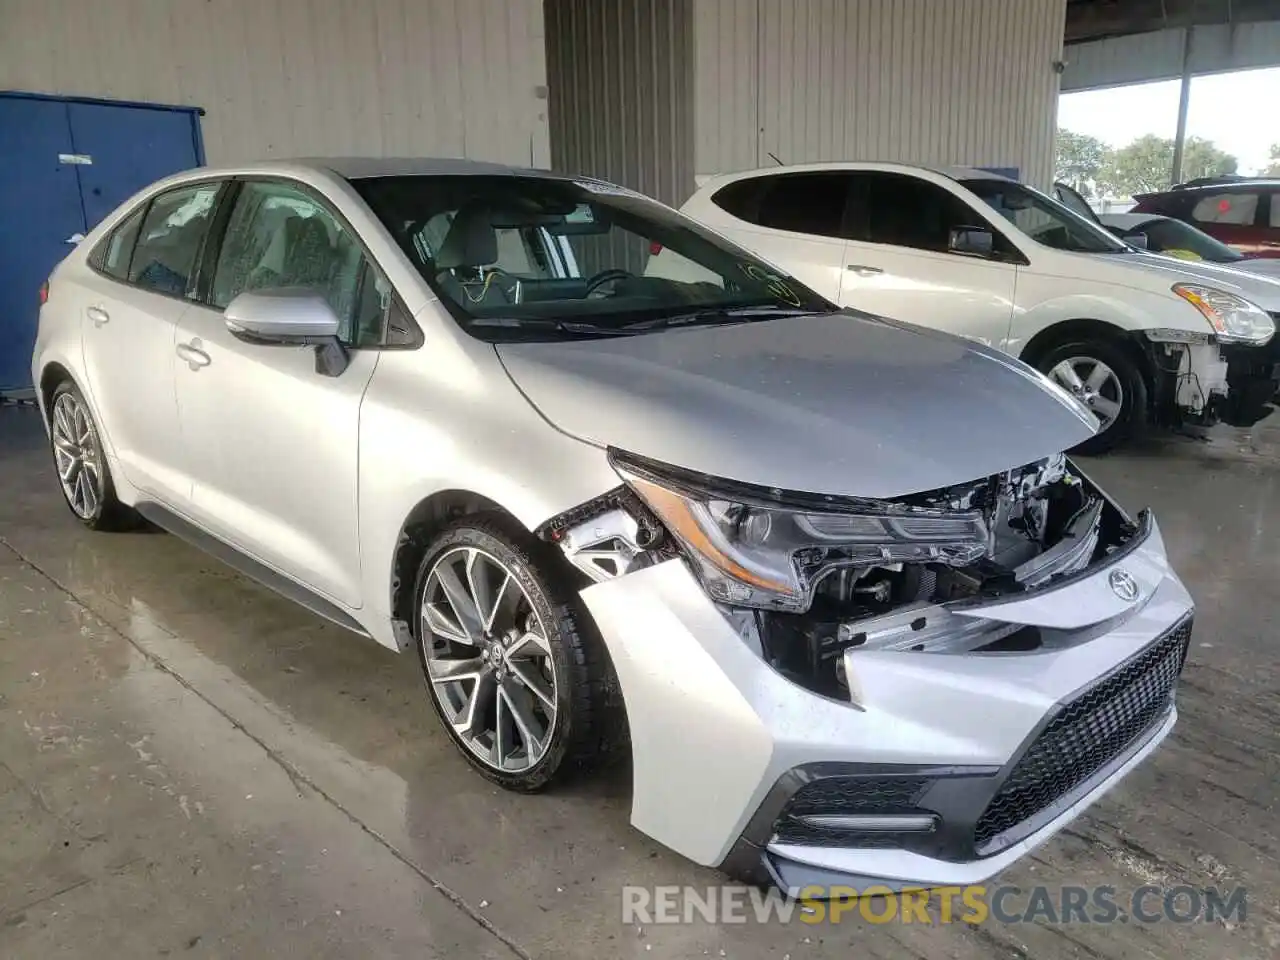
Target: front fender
x=446 y=417
x=1044 y=302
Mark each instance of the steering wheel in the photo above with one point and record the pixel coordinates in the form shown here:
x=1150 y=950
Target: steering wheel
x=606 y=276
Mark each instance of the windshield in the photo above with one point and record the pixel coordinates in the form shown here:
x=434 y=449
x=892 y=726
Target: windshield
x=528 y=256
x=1043 y=220
x=1173 y=238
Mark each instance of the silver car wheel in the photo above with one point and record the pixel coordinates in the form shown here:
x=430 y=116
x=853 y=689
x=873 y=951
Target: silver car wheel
x=1094 y=384
x=76 y=455
x=488 y=659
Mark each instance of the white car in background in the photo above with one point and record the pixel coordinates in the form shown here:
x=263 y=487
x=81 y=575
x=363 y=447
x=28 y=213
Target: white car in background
x=1136 y=337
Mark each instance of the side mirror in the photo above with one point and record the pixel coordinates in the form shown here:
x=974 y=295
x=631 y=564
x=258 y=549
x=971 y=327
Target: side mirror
x=289 y=317
x=1138 y=240
x=284 y=316
x=972 y=241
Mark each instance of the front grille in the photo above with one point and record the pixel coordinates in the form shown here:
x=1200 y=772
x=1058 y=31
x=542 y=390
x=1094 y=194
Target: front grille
x=850 y=795
x=1085 y=735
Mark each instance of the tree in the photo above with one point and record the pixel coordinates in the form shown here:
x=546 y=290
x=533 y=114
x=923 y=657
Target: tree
x=1272 y=169
x=1200 y=158
x=1146 y=164
x=1080 y=160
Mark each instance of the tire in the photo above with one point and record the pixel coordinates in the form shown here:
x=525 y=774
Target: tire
x=1084 y=356
x=573 y=671
x=84 y=476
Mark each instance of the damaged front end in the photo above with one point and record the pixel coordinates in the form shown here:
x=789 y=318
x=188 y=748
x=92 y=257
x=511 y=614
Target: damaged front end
x=803 y=578
x=1228 y=376
x=913 y=691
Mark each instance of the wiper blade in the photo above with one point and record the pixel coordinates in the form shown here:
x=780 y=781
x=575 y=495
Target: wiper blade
x=539 y=323
x=719 y=315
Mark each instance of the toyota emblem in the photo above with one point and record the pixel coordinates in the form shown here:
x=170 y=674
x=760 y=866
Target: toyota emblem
x=1123 y=585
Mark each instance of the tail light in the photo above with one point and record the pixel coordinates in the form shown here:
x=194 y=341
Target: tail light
x=44 y=293
x=655 y=248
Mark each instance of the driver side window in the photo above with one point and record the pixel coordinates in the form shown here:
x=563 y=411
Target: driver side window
x=281 y=236
x=904 y=211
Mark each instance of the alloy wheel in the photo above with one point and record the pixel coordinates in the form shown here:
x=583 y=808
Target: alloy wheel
x=488 y=659
x=76 y=455
x=1094 y=384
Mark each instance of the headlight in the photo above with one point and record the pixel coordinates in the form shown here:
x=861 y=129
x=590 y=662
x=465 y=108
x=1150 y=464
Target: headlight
x=752 y=551
x=1233 y=318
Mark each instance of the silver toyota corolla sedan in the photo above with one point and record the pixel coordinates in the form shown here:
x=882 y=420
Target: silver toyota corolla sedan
x=627 y=490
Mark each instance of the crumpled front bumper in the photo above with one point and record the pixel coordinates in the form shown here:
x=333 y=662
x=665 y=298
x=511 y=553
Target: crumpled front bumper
x=1253 y=374
x=721 y=741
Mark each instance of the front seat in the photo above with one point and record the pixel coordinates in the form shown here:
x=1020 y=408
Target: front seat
x=309 y=257
x=471 y=243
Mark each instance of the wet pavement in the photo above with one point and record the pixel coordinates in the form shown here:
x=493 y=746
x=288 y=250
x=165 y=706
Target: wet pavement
x=192 y=766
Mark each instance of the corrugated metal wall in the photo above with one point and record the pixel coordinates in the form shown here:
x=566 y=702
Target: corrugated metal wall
x=620 y=74
x=1216 y=48
x=302 y=77
x=925 y=81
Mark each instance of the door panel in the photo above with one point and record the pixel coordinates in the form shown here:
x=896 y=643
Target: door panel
x=272 y=444
x=962 y=295
x=899 y=262
x=273 y=448
x=817 y=262
x=129 y=147
x=127 y=338
x=129 y=328
x=39 y=213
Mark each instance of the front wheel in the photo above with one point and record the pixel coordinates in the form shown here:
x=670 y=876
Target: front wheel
x=515 y=672
x=1103 y=377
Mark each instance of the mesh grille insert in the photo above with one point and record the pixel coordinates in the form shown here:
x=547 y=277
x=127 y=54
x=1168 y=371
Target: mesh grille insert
x=1086 y=734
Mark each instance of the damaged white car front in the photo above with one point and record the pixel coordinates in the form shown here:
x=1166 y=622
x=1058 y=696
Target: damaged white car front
x=832 y=690
x=1226 y=373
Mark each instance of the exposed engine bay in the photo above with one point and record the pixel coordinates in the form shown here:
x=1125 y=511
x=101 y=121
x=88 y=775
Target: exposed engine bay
x=888 y=575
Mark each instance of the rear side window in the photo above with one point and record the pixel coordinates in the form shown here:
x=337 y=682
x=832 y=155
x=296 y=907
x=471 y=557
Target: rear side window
x=171 y=237
x=112 y=256
x=810 y=203
x=1234 y=208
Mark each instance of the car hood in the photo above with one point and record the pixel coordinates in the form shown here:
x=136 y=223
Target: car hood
x=1150 y=271
x=843 y=403
x=1268 y=267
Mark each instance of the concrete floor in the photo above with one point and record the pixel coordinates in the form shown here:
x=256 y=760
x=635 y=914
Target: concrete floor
x=191 y=766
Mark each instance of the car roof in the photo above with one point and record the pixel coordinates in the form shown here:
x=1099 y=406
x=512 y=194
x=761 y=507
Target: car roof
x=1130 y=219
x=838 y=166
x=1231 y=183
x=363 y=168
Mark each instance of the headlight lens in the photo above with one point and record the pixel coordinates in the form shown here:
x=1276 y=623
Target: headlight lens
x=1233 y=318
x=768 y=555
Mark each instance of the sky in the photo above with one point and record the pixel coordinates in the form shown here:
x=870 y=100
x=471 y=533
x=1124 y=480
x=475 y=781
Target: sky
x=1225 y=108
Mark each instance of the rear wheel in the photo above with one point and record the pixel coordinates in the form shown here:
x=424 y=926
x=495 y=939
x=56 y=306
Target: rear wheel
x=78 y=456
x=514 y=670
x=1103 y=377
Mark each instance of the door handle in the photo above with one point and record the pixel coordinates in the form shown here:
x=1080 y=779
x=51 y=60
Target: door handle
x=863 y=270
x=191 y=352
x=97 y=315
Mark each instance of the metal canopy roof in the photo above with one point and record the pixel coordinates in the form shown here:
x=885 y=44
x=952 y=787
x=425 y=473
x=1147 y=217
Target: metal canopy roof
x=1099 y=19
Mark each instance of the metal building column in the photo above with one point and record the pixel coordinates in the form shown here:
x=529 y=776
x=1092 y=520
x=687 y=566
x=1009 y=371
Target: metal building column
x=620 y=91
x=1184 y=99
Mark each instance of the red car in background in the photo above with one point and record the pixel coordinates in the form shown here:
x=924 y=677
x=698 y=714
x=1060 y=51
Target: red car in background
x=1243 y=213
